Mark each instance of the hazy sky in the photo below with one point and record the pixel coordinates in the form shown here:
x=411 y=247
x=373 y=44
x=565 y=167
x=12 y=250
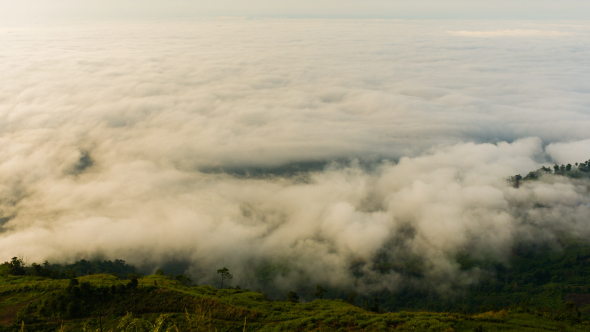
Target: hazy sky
x=421 y=9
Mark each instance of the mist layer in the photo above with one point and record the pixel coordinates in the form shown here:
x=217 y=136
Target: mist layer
x=309 y=145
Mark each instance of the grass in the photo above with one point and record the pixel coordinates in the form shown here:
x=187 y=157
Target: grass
x=159 y=300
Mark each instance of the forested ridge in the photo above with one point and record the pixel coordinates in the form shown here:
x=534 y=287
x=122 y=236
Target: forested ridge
x=542 y=289
x=576 y=171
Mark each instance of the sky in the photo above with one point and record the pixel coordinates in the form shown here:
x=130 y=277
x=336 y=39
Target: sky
x=302 y=144
x=401 y=9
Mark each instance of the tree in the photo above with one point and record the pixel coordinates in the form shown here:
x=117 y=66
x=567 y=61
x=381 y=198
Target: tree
x=70 y=274
x=352 y=298
x=160 y=272
x=16 y=267
x=319 y=292
x=292 y=297
x=515 y=180
x=36 y=270
x=183 y=279
x=375 y=307
x=224 y=275
x=72 y=309
x=132 y=284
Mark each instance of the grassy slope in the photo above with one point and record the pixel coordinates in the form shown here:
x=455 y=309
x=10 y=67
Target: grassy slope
x=211 y=309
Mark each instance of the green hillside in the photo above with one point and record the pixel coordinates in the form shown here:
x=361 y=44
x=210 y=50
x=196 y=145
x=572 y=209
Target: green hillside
x=157 y=303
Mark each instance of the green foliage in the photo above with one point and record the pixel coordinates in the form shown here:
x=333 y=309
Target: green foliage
x=375 y=307
x=224 y=272
x=292 y=297
x=15 y=267
x=132 y=324
x=539 y=290
x=181 y=278
x=545 y=276
x=579 y=170
x=43 y=303
x=118 y=267
x=319 y=292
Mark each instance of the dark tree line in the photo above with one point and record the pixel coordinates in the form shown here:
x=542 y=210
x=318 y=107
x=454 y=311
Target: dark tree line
x=181 y=278
x=578 y=170
x=17 y=266
x=80 y=299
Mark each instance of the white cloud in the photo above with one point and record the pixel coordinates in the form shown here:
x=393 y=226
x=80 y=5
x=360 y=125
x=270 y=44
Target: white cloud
x=114 y=139
x=569 y=152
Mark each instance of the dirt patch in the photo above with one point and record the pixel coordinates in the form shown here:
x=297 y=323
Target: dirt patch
x=8 y=314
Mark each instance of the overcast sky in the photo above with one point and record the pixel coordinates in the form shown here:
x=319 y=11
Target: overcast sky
x=406 y=9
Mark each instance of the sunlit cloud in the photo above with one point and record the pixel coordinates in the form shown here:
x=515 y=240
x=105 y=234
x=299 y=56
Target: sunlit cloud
x=312 y=144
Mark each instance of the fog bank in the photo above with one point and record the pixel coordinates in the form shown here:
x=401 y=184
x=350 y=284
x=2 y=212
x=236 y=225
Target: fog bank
x=168 y=140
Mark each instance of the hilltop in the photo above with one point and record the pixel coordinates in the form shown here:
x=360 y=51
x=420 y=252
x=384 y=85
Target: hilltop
x=157 y=303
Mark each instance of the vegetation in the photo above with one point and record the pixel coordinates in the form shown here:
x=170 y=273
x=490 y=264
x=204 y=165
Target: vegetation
x=544 y=278
x=319 y=292
x=224 y=272
x=93 y=301
x=292 y=297
x=17 y=266
x=576 y=171
x=540 y=293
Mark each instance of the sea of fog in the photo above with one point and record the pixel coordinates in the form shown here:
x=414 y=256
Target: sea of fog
x=301 y=145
